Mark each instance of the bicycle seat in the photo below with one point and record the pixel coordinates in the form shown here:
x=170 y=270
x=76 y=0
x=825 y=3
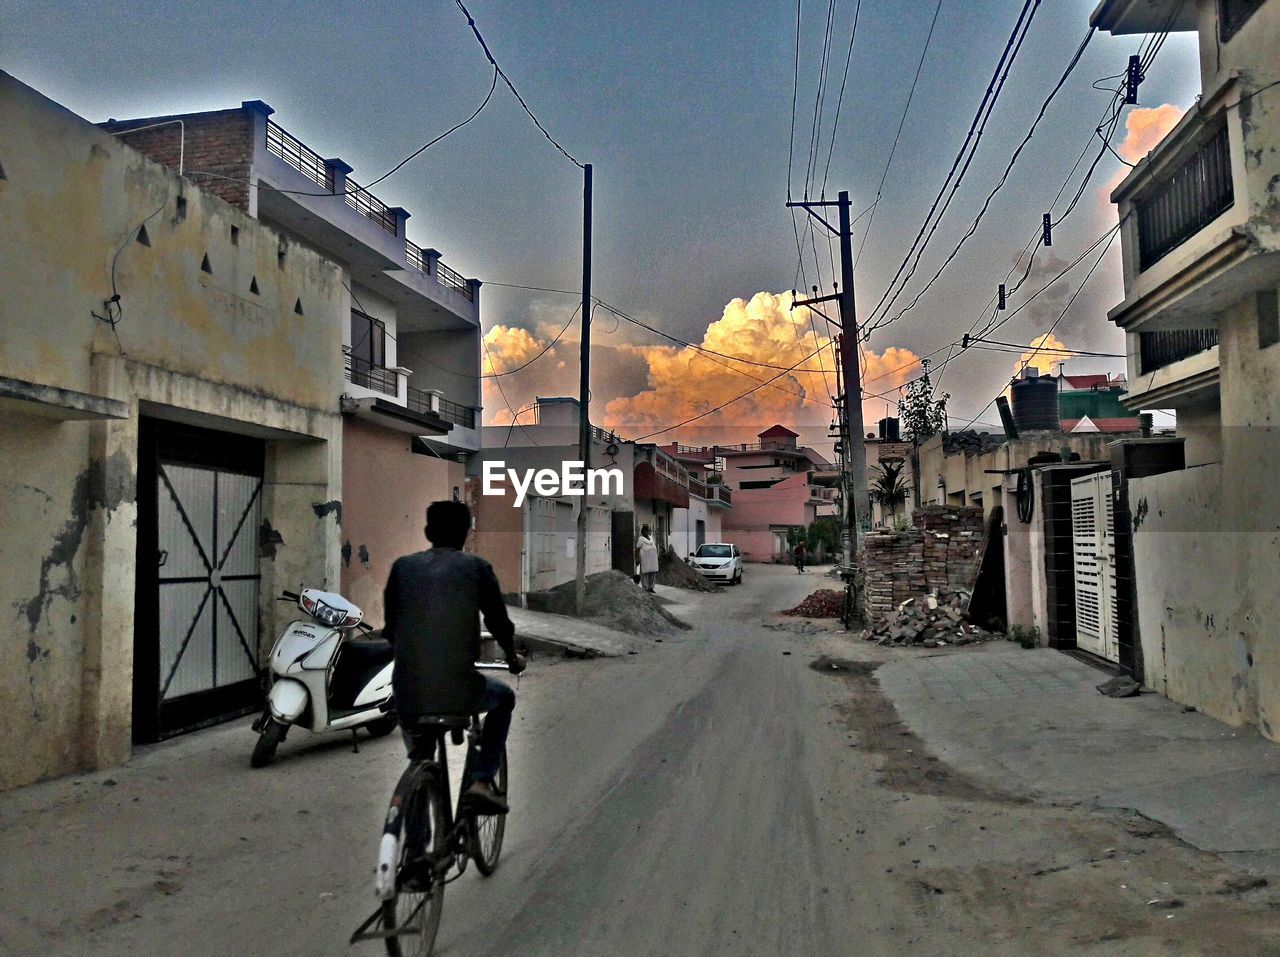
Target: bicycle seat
x=435 y=722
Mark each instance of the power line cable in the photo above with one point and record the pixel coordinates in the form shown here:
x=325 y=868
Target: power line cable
x=511 y=86
x=985 y=105
x=896 y=136
x=990 y=196
x=358 y=189
x=1054 y=324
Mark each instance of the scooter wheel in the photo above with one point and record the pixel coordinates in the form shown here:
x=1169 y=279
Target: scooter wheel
x=380 y=728
x=265 y=750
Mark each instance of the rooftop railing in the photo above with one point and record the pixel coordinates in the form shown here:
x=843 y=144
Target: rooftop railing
x=312 y=165
x=300 y=156
x=369 y=206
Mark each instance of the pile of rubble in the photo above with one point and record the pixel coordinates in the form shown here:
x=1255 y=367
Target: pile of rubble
x=934 y=620
x=970 y=441
x=823 y=603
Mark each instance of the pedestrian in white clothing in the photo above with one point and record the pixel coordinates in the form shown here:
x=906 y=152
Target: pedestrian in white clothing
x=647 y=556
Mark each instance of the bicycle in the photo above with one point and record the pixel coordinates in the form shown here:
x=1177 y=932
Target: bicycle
x=427 y=841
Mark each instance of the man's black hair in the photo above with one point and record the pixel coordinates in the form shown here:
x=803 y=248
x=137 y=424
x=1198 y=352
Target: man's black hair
x=448 y=524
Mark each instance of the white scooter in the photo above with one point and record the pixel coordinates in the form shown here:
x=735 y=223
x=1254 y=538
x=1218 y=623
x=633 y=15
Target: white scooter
x=324 y=679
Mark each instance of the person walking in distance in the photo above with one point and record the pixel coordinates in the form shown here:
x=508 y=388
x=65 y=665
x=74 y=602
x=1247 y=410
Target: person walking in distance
x=647 y=556
x=433 y=605
x=799 y=554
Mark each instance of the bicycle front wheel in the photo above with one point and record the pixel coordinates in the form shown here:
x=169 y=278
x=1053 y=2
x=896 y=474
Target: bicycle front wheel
x=415 y=908
x=487 y=829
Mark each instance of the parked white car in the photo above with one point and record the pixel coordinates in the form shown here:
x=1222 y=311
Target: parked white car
x=718 y=561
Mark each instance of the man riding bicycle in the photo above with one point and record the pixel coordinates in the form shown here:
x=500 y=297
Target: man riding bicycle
x=433 y=603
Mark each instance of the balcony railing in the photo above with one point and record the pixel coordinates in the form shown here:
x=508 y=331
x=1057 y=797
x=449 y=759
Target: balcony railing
x=1159 y=349
x=1195 y=194
x=300 y=156
x=419 y=401
x=452 y=279
x=722 y=492
x=368 y=375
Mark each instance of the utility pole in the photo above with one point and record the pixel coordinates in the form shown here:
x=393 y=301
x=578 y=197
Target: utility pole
x=857 y=506
x=584 y=395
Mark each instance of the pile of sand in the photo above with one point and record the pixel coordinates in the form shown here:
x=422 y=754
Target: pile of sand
x=613 y=600
x=675 y=571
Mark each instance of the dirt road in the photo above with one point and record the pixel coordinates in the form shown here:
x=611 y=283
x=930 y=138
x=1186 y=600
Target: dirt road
x=716 y=794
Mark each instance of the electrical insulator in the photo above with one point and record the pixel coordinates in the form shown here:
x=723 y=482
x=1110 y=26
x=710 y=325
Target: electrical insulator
x=1048 y=230
x=1002 y=296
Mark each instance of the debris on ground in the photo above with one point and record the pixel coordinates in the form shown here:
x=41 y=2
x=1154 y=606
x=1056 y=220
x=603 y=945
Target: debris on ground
x=614 y=600
x=823 y=603
x=796 y=627
x=675 y=571
x=1121 y=686
x=936 y=620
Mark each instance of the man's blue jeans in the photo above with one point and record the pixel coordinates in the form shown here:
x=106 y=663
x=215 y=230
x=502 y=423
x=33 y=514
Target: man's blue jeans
x=497 y=704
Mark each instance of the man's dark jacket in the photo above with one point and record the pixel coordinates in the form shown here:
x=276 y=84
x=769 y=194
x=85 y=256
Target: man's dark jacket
x=433 y=604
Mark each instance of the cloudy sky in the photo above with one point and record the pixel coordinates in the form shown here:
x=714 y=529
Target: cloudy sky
x=685 y=111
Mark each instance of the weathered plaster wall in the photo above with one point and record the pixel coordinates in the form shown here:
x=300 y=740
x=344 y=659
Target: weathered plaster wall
x=386 y=491
x=247 y=345
x=1193 y=639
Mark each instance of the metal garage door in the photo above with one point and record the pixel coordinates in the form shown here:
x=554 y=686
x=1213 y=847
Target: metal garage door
x=196 y=617
x=1094 y=549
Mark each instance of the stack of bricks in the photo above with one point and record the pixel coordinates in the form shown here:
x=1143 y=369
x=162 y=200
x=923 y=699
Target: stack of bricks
x=941 y=551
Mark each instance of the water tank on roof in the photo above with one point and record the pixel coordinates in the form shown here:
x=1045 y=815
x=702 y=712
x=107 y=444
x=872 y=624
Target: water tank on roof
x=889 y=429
x=1035 y=403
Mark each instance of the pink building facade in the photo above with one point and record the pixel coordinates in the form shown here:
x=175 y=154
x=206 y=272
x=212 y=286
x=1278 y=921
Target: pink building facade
x=773 y=490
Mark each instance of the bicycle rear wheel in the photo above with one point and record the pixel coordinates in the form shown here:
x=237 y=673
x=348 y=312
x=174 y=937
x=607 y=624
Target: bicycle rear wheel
x=418 y=901
x=487 y=829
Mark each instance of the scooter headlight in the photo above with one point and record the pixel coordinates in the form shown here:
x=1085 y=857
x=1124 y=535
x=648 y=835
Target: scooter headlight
x=333 y=617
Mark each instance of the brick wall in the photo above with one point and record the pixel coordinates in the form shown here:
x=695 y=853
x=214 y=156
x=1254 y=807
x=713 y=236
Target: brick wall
x=219 y=143
x=942 y=550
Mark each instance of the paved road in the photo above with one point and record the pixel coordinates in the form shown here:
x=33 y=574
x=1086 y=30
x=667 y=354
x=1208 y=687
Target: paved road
x=714 y=794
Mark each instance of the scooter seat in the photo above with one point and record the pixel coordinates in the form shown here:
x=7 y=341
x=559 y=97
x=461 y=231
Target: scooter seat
x=358 y=663
x=369 y=652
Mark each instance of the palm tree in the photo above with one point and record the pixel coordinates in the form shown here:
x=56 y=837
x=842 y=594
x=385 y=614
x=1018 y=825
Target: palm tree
x=889 y=489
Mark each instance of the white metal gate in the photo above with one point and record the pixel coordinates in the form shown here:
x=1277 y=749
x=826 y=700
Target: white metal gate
x=207 y=522
x=1094 y=548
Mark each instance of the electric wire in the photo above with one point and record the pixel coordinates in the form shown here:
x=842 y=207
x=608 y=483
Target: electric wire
x=1084 y=282
x=896 y=136
x=512 y=87
x=1066 y=74
x=985 y=105
x=359 y=189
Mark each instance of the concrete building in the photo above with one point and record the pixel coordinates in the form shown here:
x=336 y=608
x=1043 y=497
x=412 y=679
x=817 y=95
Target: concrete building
x=410 y=350
x=773 y=490
x=709 y=498
x=1201 y=232
x=171 y=440
x=537 y=549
